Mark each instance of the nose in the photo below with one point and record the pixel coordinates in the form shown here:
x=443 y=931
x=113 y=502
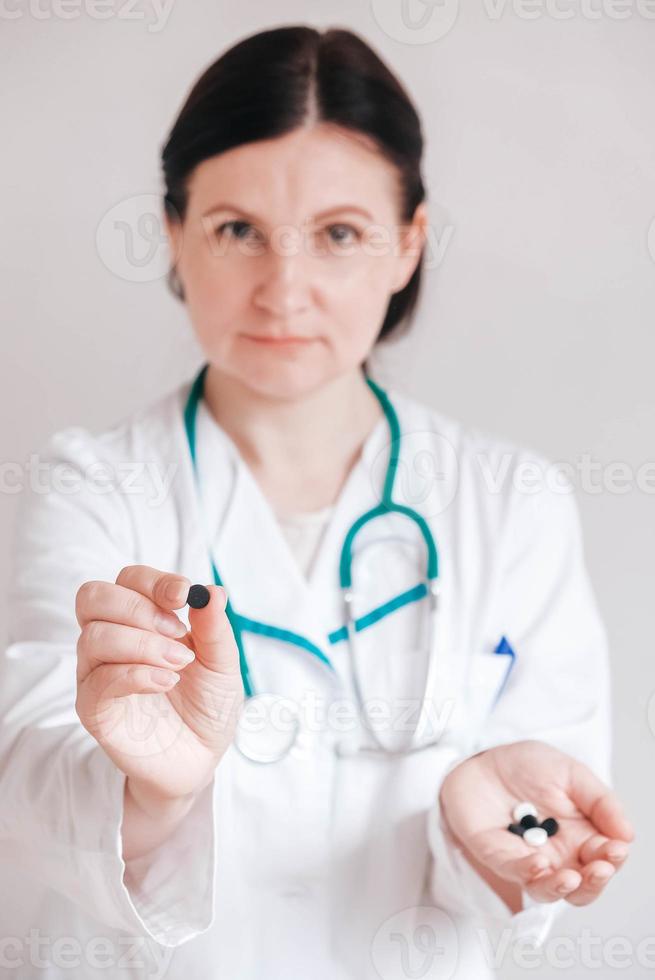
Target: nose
x=284 y=288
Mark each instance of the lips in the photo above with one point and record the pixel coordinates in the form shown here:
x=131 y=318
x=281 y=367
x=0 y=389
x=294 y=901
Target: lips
x=279 y=341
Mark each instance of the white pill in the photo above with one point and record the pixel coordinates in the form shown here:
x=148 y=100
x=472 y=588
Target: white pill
x=523 y=810
x=536 y=836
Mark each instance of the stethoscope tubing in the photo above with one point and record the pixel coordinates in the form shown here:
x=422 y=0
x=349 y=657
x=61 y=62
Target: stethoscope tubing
x=386 y=506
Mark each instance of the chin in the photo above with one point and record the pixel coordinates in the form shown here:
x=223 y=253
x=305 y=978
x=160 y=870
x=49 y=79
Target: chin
x=285 y=382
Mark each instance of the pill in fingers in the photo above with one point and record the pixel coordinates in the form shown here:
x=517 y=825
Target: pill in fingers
x=198 y=596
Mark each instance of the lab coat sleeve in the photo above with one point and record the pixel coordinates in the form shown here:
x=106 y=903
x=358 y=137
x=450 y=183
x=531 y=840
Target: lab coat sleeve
x=557 y=690
x=61 y=796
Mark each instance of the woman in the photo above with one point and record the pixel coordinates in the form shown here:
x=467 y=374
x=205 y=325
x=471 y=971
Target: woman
x=286 y=834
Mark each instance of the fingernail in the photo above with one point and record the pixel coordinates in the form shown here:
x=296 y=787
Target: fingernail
x=617 y=853
x=180 y=657
x=598 y=877
x=170 y=625
x=165 y=678
x=563 y=889
x=176 y=592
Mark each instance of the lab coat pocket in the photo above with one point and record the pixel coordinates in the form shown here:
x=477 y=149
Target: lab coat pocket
x=488 y=674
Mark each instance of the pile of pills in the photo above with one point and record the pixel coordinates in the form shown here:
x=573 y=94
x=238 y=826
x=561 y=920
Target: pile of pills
x=527 y=826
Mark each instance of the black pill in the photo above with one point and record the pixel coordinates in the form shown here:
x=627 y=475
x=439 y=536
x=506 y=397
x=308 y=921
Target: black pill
x=198 y=596
x=550 y=825
x=529 y=821
x=516 y=828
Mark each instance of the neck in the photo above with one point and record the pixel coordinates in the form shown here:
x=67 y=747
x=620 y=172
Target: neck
x=301 y=450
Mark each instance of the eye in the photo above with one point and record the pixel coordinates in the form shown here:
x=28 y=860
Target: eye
x=235 y=228
x=341 y=238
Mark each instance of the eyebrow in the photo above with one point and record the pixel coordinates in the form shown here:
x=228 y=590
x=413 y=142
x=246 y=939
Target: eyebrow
x=321 y=214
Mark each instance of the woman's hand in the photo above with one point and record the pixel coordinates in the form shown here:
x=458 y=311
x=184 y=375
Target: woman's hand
x=161 y=701
x=477 y=799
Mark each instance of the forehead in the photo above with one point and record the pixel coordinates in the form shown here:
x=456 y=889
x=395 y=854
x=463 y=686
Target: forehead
x=298 y=175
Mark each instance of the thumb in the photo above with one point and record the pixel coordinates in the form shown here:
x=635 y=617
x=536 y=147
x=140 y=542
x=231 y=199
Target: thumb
x=212 y=636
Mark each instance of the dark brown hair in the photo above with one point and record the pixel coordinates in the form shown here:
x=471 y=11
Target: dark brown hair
x=267 y=85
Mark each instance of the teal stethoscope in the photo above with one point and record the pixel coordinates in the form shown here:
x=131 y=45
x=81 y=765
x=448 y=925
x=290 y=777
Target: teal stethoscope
x=271 y=750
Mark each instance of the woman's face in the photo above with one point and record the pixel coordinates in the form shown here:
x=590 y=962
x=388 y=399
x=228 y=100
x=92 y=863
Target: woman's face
x=289 y=253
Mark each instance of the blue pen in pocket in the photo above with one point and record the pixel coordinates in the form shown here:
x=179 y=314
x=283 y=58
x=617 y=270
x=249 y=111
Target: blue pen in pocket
x=504 y=648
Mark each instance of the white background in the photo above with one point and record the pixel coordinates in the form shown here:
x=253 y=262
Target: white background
x=537 y=324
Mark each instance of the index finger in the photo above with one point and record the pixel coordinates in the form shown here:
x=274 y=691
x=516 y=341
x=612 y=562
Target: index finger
x=166 y=589
x=599 y=803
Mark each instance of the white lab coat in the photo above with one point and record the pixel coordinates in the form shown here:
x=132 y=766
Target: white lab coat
x=319 y=866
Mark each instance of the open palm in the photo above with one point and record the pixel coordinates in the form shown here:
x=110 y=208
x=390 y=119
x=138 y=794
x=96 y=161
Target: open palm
x=479 y=795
